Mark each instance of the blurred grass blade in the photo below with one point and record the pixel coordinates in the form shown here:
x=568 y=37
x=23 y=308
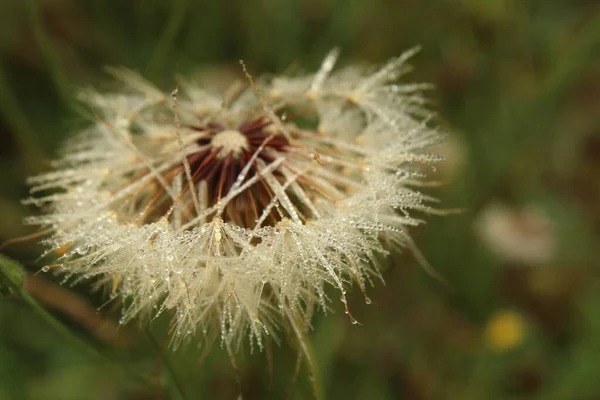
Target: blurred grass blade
x=19 y=126
x=176 y=386
x=12 y=276
x=570 y=67
x=167 y=37
x=523 y=128
x=47 y=49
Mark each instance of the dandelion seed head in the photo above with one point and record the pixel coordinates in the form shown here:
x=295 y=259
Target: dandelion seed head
x=235 y=213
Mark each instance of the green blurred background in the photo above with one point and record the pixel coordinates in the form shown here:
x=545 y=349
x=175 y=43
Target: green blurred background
x=518 y=90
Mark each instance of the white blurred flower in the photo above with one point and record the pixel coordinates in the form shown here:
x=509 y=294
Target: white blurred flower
x=522 y=236
x=235 y=213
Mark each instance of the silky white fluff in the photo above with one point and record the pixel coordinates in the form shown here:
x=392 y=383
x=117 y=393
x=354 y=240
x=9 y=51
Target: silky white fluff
x=124 y=207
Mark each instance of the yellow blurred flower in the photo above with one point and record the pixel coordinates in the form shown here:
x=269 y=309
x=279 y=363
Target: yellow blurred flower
x=504 y=331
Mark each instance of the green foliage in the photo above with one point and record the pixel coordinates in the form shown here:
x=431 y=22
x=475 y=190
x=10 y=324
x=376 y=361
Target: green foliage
x=517 y=87
x=11 y=276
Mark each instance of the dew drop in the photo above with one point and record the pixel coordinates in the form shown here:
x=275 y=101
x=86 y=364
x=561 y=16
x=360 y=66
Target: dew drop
x=174 y=94
x=45 y=268
x=82 y=250
x=368 y=300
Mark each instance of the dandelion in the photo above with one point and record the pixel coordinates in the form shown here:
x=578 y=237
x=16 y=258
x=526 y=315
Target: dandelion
x=525 y=236
x=234 y=212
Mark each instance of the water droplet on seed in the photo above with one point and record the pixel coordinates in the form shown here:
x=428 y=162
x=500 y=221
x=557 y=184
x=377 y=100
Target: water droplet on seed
x=82 y=250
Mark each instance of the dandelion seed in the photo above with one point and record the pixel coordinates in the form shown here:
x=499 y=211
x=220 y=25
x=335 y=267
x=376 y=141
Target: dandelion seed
x=235 y=214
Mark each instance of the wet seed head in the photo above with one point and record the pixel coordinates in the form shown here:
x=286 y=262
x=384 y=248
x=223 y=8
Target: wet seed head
x=235 y=214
